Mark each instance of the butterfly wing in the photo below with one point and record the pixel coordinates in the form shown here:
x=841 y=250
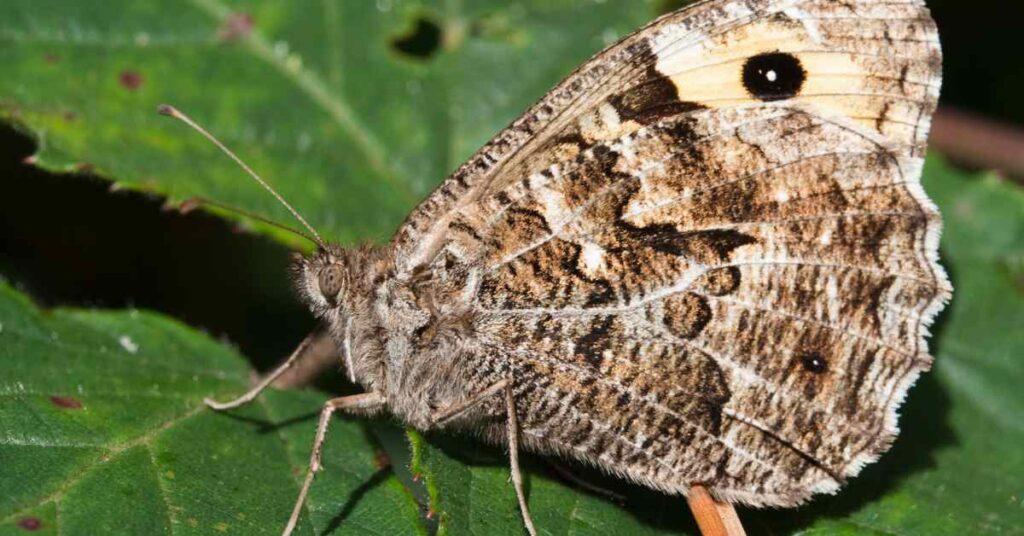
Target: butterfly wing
x=688 y=59
x=707 y=255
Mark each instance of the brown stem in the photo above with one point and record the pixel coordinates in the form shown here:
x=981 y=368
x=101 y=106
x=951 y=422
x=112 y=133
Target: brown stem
x=714 y=518
x=979 y=142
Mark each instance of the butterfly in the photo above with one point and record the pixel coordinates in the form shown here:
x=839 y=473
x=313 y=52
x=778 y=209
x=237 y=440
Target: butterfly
x=704 y=258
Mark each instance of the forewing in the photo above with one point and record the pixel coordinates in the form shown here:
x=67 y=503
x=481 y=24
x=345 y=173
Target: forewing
x=714 y=274
x=871 y=60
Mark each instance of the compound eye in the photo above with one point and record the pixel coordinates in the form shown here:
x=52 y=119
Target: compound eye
x=331 y=281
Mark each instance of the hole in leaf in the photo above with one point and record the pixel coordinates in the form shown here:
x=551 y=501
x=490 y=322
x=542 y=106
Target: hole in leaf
x=422 y=41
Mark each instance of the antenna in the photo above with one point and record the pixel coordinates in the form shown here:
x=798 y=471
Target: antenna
x=168 y=110
x=191 y=203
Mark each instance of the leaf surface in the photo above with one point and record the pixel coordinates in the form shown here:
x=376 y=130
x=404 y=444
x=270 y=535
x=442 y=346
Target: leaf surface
x=103 y=431
x=319 y=98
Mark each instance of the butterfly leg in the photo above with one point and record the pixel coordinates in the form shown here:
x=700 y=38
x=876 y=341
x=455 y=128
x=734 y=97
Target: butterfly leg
x=255 y=391
x=513 y=454
x=452 y=412
x=446 y=414
x=360 y=401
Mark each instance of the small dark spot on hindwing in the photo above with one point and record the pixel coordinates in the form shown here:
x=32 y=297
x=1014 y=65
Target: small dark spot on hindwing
x=813 y=362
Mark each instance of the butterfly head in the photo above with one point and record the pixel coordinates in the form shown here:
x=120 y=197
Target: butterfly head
x=335 y=282
x=323 y=280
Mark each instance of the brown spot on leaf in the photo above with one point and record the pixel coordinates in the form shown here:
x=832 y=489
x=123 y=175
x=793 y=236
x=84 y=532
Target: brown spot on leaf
x=30 y=523
x=236 y=26
x=381 y=460
x=130 y=80
x=50 y=57
x=66 y=402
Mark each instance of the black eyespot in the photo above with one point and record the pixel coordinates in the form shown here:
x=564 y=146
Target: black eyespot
x=330 y=281
x=773 y=76
x=813 y=362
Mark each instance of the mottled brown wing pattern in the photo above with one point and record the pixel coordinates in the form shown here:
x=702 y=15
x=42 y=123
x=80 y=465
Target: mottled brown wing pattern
x=872 y=59
x=716 y=265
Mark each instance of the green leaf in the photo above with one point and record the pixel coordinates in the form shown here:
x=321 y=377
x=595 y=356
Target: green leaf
x=955 y=469
x=102 y=431
x=316 y=97
x=468 y=484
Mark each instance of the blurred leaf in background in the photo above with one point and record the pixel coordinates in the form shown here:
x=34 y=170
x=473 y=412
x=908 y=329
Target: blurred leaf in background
x=355 y=110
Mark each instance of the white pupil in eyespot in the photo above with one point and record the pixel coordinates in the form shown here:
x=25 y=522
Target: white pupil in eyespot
x=771 y=76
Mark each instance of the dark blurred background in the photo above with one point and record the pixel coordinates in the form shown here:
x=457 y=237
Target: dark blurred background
x=69 y=240
x=984 y=56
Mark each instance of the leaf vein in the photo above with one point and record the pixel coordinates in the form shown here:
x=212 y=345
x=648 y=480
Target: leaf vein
x=113 y=451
